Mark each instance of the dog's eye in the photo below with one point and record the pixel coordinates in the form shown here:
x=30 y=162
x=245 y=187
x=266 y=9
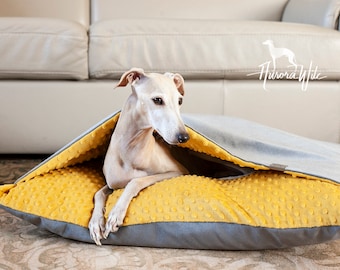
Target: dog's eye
x=158 y=101
x=180 y=101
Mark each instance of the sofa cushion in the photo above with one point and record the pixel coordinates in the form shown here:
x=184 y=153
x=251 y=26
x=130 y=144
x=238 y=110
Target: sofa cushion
x=209 y=48
x=75 y=10
x=265 y=10
x=42 y=48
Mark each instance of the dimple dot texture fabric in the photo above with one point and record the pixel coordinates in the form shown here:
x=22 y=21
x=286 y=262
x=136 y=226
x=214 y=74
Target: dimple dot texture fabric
x=269 y=199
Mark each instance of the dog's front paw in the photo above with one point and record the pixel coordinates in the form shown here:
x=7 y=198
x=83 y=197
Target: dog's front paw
x=114 y=221
x=97 y=229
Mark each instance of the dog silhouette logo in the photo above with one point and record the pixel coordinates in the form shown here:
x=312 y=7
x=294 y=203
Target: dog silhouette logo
x=277 y=53
x=300 y=73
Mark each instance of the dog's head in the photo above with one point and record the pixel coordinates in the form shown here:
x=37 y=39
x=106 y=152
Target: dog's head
x=268 y=42
x=158 y=99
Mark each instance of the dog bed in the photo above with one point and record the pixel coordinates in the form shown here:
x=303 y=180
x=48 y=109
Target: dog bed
x=250 y=187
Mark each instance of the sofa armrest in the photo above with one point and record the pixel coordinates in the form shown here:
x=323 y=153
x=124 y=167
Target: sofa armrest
x=319 y=12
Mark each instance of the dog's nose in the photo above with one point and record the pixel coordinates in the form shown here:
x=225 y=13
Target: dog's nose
x=183 y=137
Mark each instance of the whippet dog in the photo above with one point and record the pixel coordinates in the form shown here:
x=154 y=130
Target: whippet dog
x=276 y=53
x=135 y=159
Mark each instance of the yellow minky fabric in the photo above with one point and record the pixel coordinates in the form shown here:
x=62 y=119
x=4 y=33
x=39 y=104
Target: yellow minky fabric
x=268 y=199
x=62 y=189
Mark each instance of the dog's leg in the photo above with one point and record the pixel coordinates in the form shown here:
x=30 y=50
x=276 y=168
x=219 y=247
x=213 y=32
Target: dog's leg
x=118 y=212
x=274 y=62
x=291 y=60
x=97 y=222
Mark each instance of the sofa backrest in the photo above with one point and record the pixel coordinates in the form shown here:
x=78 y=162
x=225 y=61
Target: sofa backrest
x=267 y=10
x=75 y=10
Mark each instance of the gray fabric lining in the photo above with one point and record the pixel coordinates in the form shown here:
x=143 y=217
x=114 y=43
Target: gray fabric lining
x=267 y=146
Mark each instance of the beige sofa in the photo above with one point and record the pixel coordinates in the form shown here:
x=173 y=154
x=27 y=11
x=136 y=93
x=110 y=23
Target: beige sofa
x=60 y=60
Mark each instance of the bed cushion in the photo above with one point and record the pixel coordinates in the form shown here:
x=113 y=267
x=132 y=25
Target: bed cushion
x=251 y=187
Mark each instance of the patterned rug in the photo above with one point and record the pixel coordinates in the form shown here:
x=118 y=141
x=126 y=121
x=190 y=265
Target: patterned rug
x=24 y=246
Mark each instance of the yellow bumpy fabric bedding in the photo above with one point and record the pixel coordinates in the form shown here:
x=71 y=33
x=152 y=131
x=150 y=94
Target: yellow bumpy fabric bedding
x=275 y=197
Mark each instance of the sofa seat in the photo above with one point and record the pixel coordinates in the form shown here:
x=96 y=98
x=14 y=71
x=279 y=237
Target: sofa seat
x=210 y=49
x=39 y=48
x=60 y=61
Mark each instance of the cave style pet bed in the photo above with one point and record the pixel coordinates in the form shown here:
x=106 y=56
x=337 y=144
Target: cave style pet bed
x=251 y=187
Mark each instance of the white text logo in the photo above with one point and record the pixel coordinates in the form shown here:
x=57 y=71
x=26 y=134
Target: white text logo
x=268 y=69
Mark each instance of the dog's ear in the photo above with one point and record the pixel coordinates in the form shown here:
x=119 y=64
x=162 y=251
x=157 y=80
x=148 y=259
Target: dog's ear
x=178 y=80
x=130 y=76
